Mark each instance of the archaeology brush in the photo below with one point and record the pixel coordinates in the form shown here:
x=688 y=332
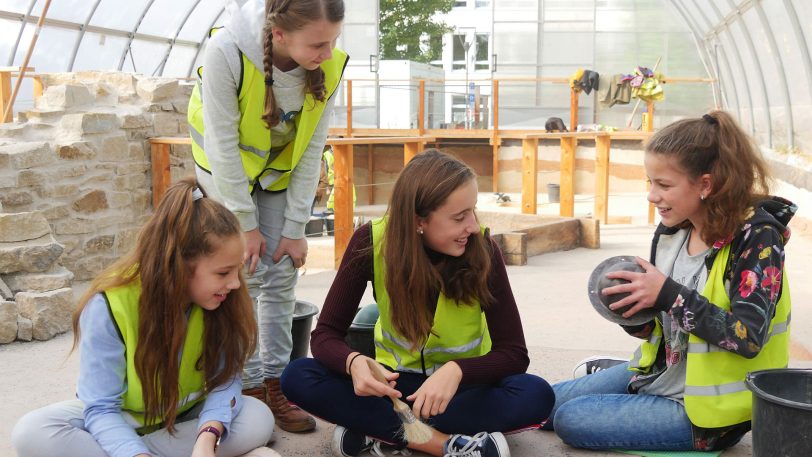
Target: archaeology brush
x=414 y=430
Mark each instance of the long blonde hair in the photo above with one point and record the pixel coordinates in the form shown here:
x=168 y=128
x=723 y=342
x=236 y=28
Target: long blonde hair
x=412 y=281
x=181 y=230
x=292 y=15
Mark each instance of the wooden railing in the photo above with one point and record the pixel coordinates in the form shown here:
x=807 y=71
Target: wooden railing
x=6 y=74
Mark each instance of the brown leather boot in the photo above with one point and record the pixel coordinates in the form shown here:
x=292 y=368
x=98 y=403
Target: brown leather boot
x=260 y=393
x=288 y=417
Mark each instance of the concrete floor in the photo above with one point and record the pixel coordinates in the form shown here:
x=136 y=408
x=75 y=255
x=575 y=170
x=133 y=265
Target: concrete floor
x=560 y=327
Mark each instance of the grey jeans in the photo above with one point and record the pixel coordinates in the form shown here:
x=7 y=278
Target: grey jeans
x=58 y=429
x=271 y=287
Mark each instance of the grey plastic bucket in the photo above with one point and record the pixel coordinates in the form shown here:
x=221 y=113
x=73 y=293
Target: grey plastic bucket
x=782 y=412
x=300 y=330
x=361 y=334
x=553 y=193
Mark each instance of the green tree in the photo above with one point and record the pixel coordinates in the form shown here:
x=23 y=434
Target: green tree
x=409 y=31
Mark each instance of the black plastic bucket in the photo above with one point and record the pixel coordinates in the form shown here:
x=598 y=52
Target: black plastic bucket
x=782 y=412
x=361 y=334
x=300 y=330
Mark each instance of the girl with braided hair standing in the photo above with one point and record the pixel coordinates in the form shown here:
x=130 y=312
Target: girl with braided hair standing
x=268 y=85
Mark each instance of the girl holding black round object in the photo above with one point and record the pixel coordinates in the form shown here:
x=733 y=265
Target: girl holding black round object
x=717 y=283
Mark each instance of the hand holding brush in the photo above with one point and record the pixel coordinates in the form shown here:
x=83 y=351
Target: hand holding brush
x=414 y=430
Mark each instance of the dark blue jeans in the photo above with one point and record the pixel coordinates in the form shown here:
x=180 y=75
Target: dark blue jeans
x=515 y=402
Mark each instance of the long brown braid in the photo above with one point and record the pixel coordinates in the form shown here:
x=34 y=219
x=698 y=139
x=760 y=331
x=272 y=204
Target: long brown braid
x=290 y=15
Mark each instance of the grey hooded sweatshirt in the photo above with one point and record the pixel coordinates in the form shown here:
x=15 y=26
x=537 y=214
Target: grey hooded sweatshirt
x=242 y=31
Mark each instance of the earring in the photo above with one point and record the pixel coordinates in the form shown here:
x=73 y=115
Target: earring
x=702 y=197
x=420 y=231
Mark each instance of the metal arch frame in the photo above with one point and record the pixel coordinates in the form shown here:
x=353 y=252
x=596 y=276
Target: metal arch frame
x=81 y=36
x=704 y=55
x=782 y=74
x=707 y=40
x=740 y=62
x=716 y=47
x=160 y=68
x=131 y=35
x=23 y=22
x=801 y=39
x=203 y=40
x=737 y=11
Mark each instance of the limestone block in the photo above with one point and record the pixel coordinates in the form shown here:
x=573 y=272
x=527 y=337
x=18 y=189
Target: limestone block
x=89 y=123
x=57 y=278
x=79 y=150
x=123 y=83
x=590 y=233
x=27 y=155
x=134 y=121
x=139 y=150
x=87 y=268
x=25 y=329
x=65 y=96
x=119 y=199
x=28 y=178
x=40 y=117
x=8 y=321
x=50 y=312
x=181 y=108
x=115 y=148
x=156 y=89
x=30 y=256
x=165 y=124
x=132 y=167
x=130 y=182
x=16 y=198
x=125 y=240
x=55 y=212
x=58 y=190
x=91 y=202
x=99 y=244
x=22 y=226
x=12 y=130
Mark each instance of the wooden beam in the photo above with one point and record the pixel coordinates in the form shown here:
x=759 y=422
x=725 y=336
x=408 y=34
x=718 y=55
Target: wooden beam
x=370 y=175
x=602 y=145
x=567 y=176
x=421 y=107
x=343 y=199
x=530 y=147
x=649 y=127
x=410 y=150
x=349 y=107
x=161 y=174
x=5 y=96
x=573 y=110
x=650 y=205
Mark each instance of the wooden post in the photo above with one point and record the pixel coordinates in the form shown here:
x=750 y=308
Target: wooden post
x=573 y=110
x=349 y=108
x=343 y=199
x=495 y=140
x=371 y=174
x=161 y=174
x=602 y=145
x=37 y=87
x=421 y=107
x=649 y=127
x=567 y=178
x=530 y=147
x=410 y=150
x=5 y=95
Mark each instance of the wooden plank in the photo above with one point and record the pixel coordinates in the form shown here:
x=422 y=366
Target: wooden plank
x=530 y=147
x=651 y=209
x=5 y=95
x=573 y=110
x=409 y=151
x=343 y=199
x=349 y=107
x=649 y=127
x=37 y=86
x=161 y=174
x=421 y=107
x=171 y=140
x=379 y=140
x=495 y=173
x=602 y=145
x=567 y=177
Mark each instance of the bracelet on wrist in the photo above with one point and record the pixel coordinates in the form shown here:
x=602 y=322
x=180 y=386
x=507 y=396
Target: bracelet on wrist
x=349 y=365
x=213 y=430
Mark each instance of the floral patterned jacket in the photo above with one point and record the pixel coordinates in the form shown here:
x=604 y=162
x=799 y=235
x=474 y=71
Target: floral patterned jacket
x=753 y=278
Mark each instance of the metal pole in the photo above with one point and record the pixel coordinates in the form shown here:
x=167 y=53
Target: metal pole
x=19 y=81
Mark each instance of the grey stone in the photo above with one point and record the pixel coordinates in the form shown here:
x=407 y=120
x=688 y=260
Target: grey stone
x=57 y=278
x=115 y=149
x=16 y=198
x=165 y=124
x=156 y=89
x=134 y=121
x=65 y=96
x=78 y=150
x=8 y=321
x=5 y=291
x=25 y=329
x=32 y=256
x=22 y=226
x=90 y=123
x=27 y=155
x=50 y=312
x=12 y=130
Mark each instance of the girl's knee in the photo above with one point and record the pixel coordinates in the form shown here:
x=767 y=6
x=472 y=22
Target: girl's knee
x=260 y=423
x=297 y=377
x=25 y=436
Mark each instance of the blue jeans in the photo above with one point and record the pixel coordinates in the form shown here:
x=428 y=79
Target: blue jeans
x=515 y=402
x=598 y=412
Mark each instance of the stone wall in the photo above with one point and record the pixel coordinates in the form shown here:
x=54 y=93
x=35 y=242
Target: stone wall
x=80 y=160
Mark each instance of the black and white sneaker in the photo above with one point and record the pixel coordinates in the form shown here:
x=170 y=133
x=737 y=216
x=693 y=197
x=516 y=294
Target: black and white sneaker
x=594 y=364
x=347 y=443
x=483 y=444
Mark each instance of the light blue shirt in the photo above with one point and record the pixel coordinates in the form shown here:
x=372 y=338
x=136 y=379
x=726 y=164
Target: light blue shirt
x=102 y=382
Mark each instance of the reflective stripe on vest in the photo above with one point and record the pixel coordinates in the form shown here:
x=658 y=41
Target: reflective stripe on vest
x=123 y=304
x=715 y=394
x=262 y=164
x=458 y=331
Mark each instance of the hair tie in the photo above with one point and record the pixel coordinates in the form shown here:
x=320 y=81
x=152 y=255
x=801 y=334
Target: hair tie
x=269 y=81
x=197 y=194
x=710 y=119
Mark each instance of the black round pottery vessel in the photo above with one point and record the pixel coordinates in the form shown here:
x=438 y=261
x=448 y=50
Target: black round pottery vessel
x=598 y=281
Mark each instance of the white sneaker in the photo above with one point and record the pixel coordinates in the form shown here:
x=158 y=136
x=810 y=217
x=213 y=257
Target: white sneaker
x=594 y=364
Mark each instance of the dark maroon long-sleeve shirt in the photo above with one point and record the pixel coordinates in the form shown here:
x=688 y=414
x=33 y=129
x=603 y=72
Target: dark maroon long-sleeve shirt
x=508 y=355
